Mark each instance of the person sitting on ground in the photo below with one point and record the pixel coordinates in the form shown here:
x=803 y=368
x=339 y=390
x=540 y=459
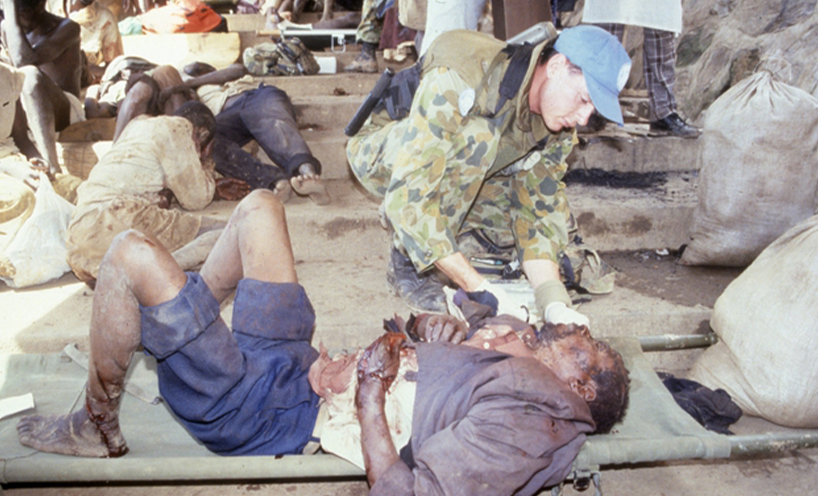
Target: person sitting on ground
x=155 y=160
x=19 y=176
x=490 y=420
x=46 y=48
x=99 y=35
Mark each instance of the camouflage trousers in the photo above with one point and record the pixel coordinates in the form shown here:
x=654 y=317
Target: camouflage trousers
x=369 y=29
x=431 y=168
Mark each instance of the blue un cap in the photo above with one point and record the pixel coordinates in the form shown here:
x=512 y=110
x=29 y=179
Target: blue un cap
x=603 y=61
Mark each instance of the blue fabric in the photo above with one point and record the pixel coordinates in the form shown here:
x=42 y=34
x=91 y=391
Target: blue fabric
x=266 y=115
x=239 y=393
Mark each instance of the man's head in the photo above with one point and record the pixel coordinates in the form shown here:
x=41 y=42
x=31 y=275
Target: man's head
x=591 y=368
x=28 y=11
x=584 y=70
x=204 y=124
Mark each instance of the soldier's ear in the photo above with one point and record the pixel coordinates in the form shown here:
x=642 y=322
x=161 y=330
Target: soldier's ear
x=558 y=62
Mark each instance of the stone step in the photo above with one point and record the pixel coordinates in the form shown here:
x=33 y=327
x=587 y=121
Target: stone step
x=322 y=126
x=346 y=242
x=635 y=153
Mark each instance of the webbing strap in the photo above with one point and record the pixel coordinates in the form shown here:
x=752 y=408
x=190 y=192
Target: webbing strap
x=515 y=73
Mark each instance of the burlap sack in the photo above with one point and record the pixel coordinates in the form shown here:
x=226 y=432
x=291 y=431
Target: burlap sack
x=767 y=322
x=759 y=170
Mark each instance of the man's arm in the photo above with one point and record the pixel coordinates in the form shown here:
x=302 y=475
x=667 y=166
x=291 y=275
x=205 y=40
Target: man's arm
x=22 y=53
x=192 y=184
x=377 y=368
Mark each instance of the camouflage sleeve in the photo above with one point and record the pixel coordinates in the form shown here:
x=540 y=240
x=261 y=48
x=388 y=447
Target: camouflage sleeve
x=438 y=171
x=541 y=218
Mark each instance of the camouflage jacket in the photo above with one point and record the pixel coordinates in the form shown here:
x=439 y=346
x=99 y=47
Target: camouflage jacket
x=431 y=166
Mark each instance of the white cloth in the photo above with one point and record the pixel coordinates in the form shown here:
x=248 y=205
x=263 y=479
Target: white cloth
x=11 y=83
x=448 y=15
x=665 y=15
x=341 y=434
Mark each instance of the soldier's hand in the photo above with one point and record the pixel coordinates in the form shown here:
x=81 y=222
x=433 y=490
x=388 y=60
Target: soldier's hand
x=436 y=327
x=231 y=189
x=559 y=313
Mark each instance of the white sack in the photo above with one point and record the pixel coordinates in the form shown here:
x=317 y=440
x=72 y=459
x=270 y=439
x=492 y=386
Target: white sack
x=759 y=170
x=767 y=322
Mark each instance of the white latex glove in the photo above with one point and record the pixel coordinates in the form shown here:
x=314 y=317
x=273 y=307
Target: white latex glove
x=505 y=304
x=559 y=313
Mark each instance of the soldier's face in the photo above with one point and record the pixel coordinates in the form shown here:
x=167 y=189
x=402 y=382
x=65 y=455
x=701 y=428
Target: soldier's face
x=559 y=95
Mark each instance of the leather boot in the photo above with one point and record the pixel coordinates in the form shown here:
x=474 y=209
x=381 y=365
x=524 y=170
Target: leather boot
x=367 y=61
x=422 y=293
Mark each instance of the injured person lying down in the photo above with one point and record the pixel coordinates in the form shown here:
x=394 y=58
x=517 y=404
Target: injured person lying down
x=433 y=406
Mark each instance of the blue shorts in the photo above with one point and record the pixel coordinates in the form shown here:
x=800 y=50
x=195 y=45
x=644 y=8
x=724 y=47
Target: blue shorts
x=239 y=393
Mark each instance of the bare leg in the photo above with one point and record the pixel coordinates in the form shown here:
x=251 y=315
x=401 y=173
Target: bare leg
x=308 y=183
x=192 y=255
x=47 y=111
x=136 y=269
x=139 y=95
x=133 y=105
x=255 y=244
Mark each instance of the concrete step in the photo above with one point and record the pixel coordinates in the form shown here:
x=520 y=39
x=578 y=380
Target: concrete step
x=633 y=153
x=341 y=255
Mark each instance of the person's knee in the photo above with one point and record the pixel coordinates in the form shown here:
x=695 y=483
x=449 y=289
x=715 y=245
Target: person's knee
x=130 y=249
x=260 y=201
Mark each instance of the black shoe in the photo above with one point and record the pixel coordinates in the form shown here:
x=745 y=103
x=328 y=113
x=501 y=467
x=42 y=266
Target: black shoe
x=673 y=125
x=422 y=293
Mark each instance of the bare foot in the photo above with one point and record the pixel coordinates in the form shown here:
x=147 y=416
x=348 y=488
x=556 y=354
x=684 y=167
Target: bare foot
x=311 y=185
x=75 y=434
x=283 y=190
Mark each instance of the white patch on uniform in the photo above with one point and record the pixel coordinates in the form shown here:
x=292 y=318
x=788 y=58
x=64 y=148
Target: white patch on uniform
x=622 y=78
x=466 y=101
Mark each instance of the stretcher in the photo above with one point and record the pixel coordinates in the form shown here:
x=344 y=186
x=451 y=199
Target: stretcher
x=654 y=429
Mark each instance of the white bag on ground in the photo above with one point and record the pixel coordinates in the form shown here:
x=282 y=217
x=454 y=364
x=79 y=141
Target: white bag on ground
x=38 y=252
x=759 y=170
x=767 y=322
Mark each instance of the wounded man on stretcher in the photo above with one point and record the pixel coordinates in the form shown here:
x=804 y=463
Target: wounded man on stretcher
x=434 y=406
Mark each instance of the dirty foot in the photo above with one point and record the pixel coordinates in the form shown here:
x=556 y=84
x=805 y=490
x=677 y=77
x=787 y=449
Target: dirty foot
x=311 y=185
x=74 y=434
x=283 y=190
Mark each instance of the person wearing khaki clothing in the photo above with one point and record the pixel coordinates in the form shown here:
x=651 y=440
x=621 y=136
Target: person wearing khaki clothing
x=483 y=145
x=126 y=189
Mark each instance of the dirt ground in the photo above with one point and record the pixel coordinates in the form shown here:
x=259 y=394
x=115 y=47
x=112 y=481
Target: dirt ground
x=661 y=275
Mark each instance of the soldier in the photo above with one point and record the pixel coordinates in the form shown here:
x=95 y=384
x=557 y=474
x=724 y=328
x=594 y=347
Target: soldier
x=483 y=146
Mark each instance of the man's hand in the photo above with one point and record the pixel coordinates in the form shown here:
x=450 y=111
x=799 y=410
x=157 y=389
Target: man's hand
x=505 y=305
x=231 y=189
x=435 y=327
x=559 y=313
x=377 y=368
x=381 y=359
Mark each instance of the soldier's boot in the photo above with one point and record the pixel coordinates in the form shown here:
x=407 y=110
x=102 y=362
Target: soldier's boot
x=366 y=61
x=423 y=293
